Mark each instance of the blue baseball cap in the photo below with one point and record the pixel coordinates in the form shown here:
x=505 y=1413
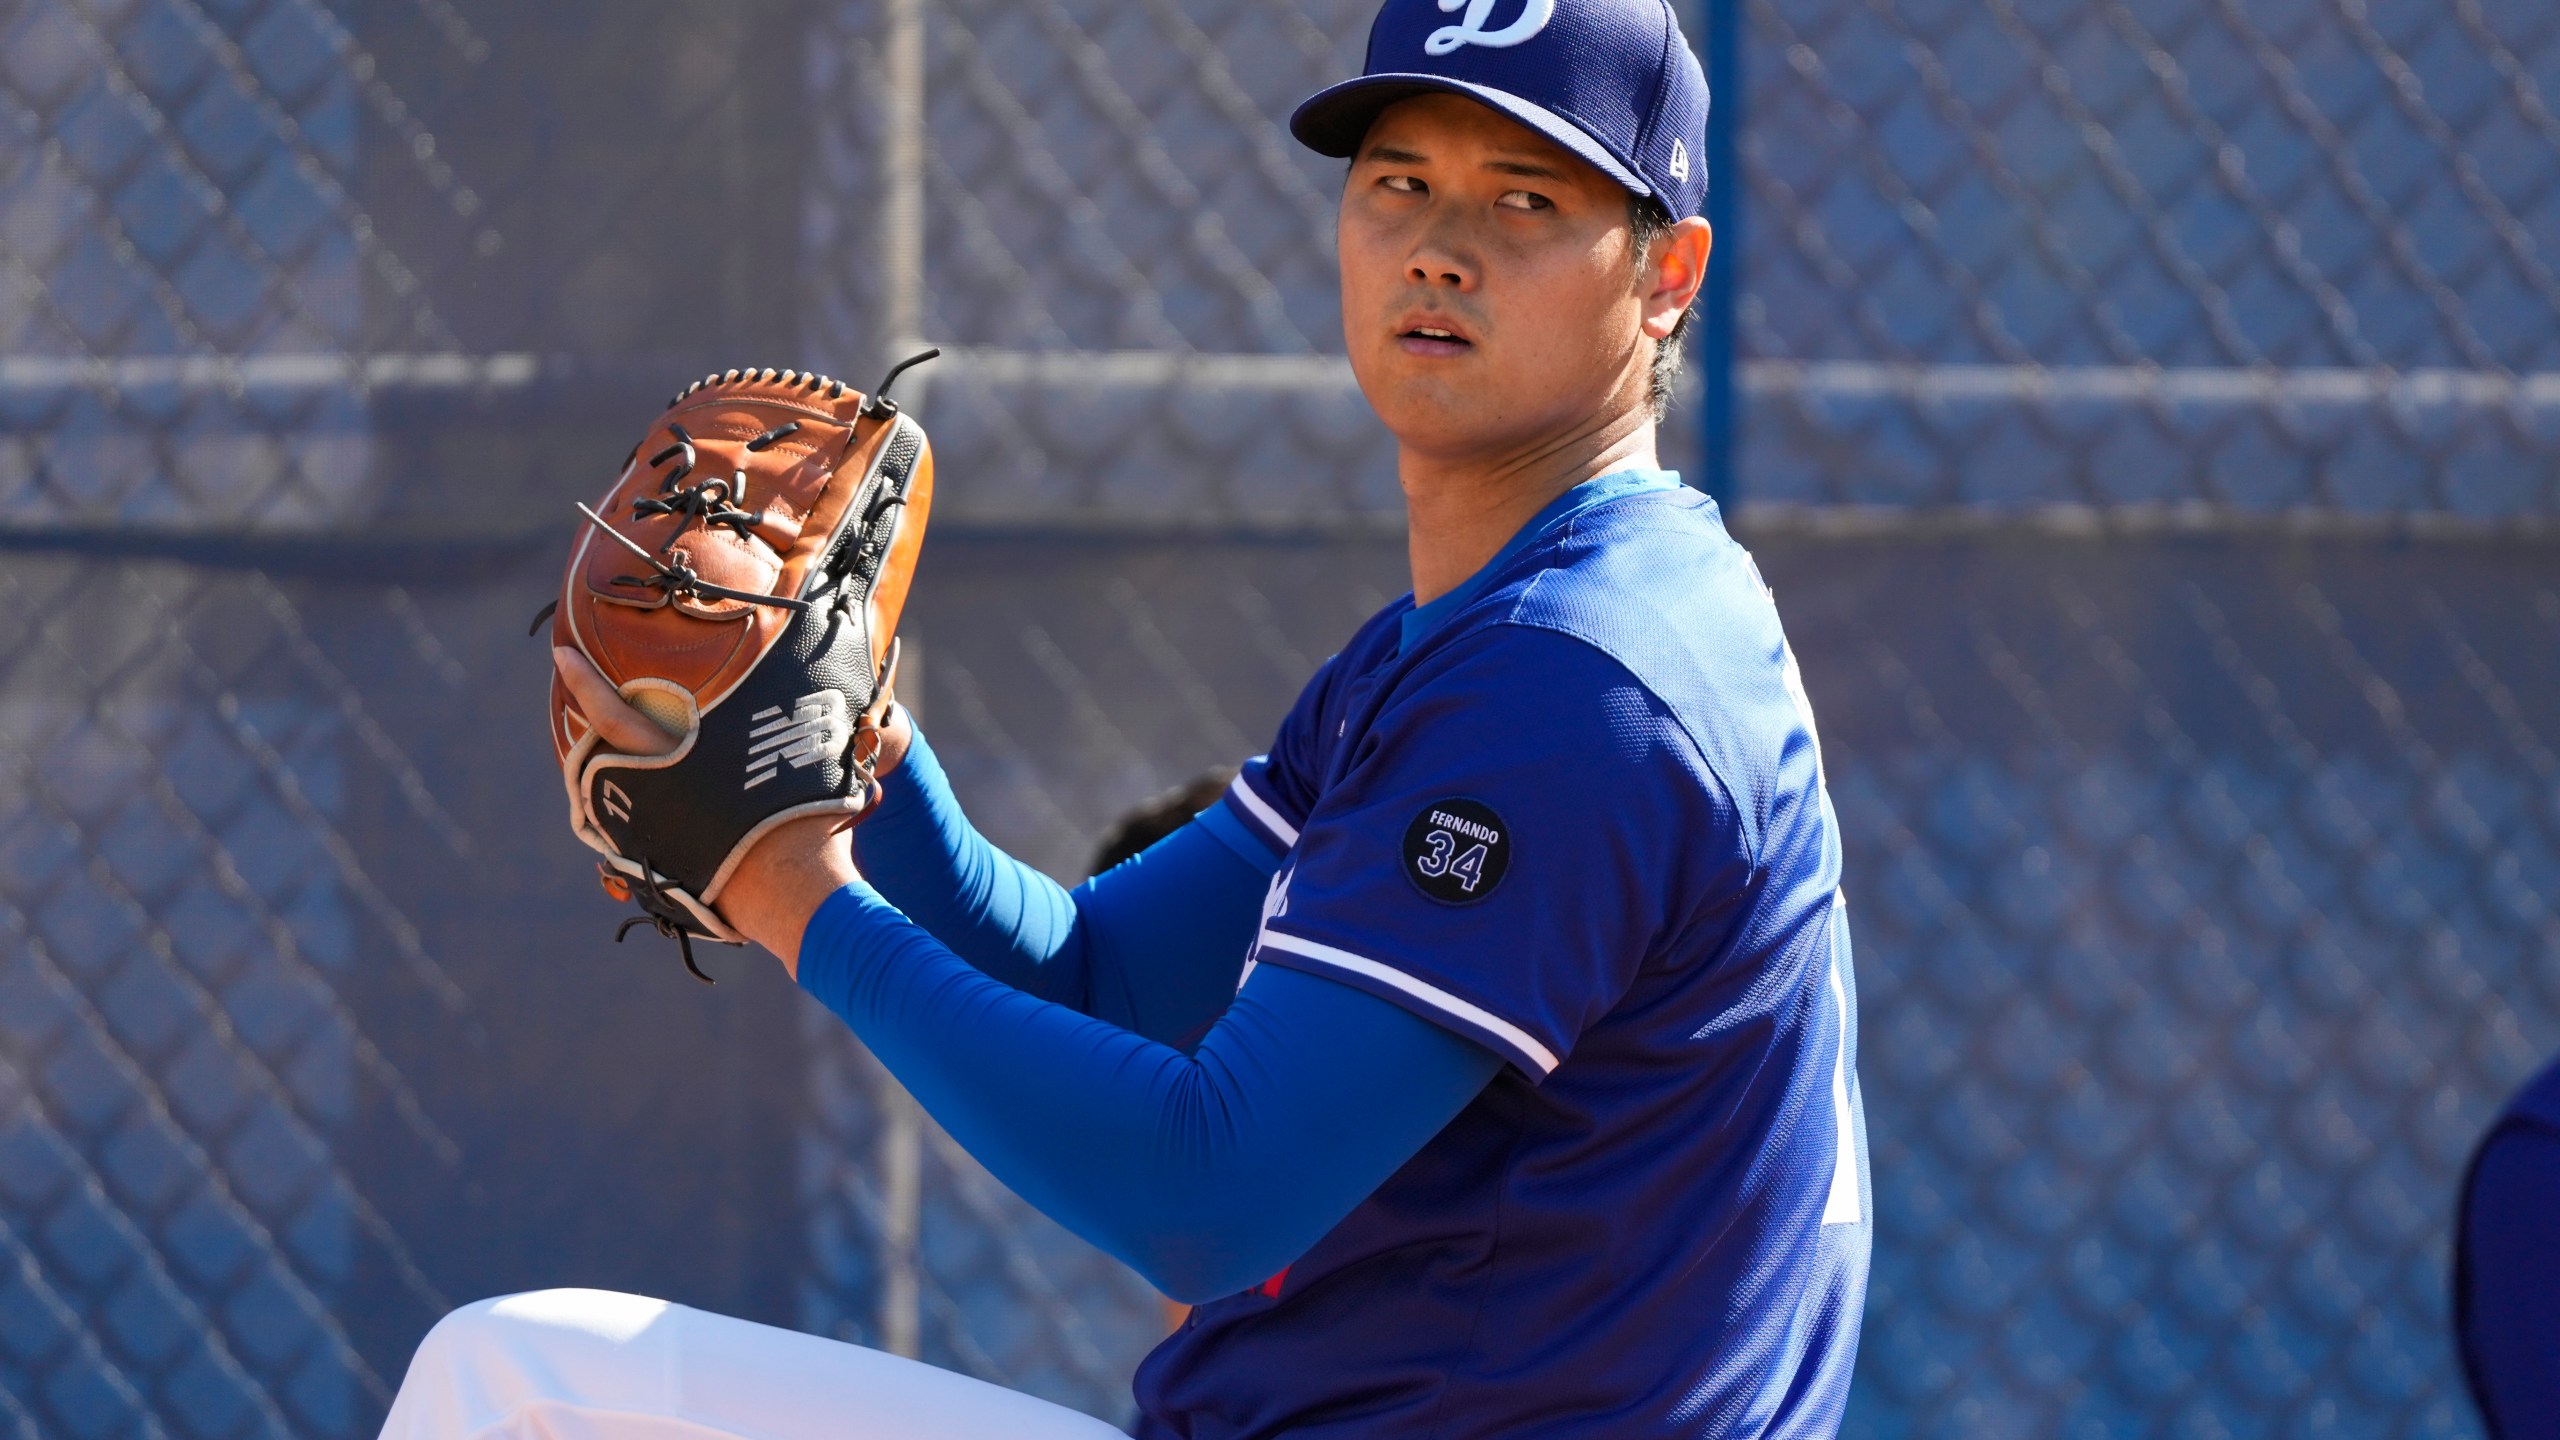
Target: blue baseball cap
x=1613 y=81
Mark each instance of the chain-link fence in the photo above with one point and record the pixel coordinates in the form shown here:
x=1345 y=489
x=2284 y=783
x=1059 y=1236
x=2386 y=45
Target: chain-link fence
x=2159 y=255
x=2143 y=414
x=2209 y=869
x=2206 y=896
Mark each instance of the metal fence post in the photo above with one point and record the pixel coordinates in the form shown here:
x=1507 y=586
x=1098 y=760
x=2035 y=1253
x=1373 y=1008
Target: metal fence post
x=900 y=1153
x=901 y=1144
x=1718 y=440
x=901 y=1161
x=902 y=162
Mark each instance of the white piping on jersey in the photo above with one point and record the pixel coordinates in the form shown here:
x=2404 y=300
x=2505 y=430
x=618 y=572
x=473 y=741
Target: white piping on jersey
x=1431 y=995
x=1843 y=1205
x=1261 y=810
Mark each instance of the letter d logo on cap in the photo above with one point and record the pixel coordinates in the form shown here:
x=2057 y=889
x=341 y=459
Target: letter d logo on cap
x=1469 y=30
x=1612 y=81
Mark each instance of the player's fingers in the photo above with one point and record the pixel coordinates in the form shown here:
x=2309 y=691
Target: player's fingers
x=895 y=726
x=851 y=818
x=622 y=726
x=896 y=732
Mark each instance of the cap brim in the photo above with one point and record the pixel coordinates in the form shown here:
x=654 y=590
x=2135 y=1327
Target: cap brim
x=1334 y=120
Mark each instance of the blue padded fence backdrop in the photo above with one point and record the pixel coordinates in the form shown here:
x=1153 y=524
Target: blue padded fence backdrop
x=2144 y=410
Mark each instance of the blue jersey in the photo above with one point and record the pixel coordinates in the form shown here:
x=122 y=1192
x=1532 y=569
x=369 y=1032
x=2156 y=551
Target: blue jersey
x=1573 y=811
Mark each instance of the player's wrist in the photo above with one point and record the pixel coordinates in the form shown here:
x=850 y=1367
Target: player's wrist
x=782 y=881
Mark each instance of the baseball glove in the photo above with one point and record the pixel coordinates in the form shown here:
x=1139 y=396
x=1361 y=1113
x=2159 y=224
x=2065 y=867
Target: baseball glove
x=740 y=584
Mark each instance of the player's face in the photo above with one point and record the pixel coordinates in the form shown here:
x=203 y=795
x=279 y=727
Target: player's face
x=1489 y=292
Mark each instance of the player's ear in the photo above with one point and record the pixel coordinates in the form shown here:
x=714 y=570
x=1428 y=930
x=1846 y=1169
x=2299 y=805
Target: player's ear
x=1673 y=273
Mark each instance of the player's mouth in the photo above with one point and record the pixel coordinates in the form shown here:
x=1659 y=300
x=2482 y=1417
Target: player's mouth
x=1432 y=340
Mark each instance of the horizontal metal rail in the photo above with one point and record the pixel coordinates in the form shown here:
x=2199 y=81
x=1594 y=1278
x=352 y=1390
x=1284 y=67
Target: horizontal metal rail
x=2134 y=384
x=22 y=375
x=25 y=377
x=1165 y=369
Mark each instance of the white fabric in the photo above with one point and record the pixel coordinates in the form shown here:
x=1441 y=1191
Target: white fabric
x=596 y=1365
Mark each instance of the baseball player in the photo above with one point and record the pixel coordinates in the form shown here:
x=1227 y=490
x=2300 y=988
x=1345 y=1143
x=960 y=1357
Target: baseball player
x=1484 y=1062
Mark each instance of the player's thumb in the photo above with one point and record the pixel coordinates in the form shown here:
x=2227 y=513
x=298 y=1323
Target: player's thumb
x=620 y=724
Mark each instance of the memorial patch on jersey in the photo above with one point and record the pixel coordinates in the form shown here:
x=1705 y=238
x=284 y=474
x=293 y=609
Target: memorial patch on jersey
x=1456 y=850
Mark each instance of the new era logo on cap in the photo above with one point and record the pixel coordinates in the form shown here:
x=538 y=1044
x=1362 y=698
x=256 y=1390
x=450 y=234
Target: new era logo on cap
x=1613 y=81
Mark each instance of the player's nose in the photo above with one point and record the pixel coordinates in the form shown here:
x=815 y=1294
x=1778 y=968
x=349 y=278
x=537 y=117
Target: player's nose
x=1440 y=258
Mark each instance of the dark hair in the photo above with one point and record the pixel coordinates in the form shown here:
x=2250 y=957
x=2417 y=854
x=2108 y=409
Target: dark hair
x=1154 y=819
x=1647 y=220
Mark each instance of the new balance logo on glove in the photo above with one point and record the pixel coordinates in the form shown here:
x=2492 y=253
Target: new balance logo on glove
x=817 y=727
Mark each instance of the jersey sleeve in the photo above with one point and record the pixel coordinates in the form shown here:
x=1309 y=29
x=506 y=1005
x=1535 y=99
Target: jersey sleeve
x=1521 y=825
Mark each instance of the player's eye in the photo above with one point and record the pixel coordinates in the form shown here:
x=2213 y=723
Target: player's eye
x=1406 y=185
x=1524 y=200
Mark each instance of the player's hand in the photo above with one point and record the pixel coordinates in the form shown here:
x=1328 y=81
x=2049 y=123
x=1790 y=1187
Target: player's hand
x=619 y=724
x=896 y=727
x=783 y=879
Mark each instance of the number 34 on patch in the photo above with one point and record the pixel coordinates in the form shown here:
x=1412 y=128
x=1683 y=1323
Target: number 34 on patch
x=1456 y=850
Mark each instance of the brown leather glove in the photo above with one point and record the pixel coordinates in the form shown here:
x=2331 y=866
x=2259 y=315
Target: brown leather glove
x=740 y=584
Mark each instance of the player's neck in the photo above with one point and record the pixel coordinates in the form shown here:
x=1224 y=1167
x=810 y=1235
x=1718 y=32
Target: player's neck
x=1462 y=509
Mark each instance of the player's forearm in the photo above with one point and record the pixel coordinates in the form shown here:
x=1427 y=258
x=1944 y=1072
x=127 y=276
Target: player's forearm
x=1154 y=946
x=1165 y=934
x=1007 y=919
x=1205 y=1173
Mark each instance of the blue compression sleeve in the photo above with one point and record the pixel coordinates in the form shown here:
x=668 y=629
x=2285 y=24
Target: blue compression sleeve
x=995 y=912
x=1154 y=945
x=1204 y=1173
x=1165 y=933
